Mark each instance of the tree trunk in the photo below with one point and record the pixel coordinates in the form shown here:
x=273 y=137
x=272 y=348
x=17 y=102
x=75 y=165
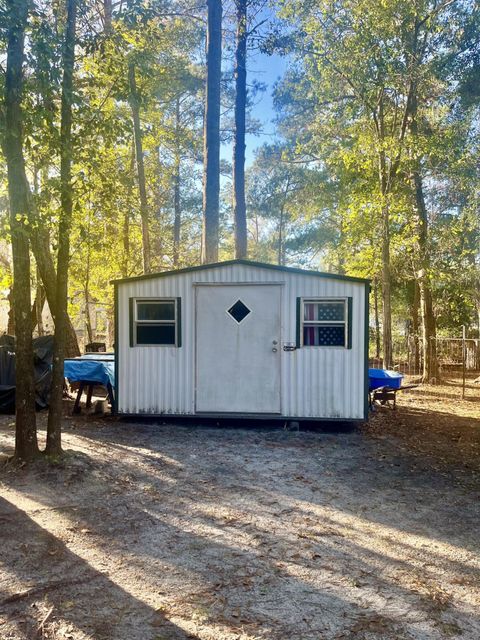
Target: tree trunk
x=385 y=222
x=137 y=132
x=11 y=313
x=478 y=316
x=126 y=243
x=240 y=73
x=86 y=290
x=157 y=247
x=341 y=254
x=257 y=229
x=26 y=445
x=107 y=16
x=430 y=369
x=88 y=319
x=211 y=134
x=37 y=308
x=377 y=319
x=415 y=327
x=176 y=188
x=40 y=244
x=54 y=426
x=386 y=291
x=280 y=248
x=126 y=219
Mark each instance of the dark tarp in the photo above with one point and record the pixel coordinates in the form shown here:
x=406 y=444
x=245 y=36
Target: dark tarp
x=42 y=363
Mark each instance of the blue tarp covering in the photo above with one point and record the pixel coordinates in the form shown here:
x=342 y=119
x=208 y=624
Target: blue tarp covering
x=101 y=370
x=384 y=378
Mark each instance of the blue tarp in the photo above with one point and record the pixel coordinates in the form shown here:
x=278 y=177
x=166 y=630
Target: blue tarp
x=101 y=370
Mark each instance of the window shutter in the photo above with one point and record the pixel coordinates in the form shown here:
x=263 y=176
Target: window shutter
x=179 y=322
x=298 y=341
x=349 y=322
x=131 y=326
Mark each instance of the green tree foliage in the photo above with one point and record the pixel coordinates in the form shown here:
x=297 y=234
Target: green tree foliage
x=164 y=42
x=381 y=106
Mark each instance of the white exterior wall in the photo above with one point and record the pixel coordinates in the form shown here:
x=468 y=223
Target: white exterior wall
x=316 y=382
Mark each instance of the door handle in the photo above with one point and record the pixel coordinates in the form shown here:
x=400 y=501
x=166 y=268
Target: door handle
x=274 y=349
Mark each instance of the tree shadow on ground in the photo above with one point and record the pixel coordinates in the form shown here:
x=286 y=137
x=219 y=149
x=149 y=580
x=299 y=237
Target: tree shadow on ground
x=231 y=585
x=408 y=467
x=49 y=571
x=157 y=507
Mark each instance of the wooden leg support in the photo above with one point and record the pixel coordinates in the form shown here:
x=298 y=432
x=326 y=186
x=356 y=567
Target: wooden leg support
x=111 y=398
x=76 y=406
x=89 y=396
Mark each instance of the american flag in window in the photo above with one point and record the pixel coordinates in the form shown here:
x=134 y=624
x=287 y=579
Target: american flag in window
x=324 y=323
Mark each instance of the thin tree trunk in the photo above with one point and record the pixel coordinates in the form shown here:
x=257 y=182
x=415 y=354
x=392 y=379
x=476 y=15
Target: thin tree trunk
x=54 y=426
x=386 y=291
x=415 y=327
x=37 y=308
x=377 y=319
x=386 y=267
x=40 y=302
x=341 y=255
x=26 y=445
x=40 y=245
x=211 y=134
x=478 y=316
x=281 y=226
x=126 y=219
x=137 y=132
x=281 y=239
x=107 y=16
x=11 y=313
x=240 y=73
x=177 y=221
x=160 y=198
x=126 y=243
x=430 y=369
x=88 y=320
x=177 y=212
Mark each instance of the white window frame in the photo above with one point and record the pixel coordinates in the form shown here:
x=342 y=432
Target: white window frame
x=318 y=323
x=137 y=322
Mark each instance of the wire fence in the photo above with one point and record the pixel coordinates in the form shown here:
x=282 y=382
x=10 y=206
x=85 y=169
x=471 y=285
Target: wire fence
x=458 y=363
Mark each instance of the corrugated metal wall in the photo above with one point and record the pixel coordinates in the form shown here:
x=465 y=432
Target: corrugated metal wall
x=316 y=381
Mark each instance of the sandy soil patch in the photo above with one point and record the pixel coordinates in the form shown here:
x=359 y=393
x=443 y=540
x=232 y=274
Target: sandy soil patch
x=150 y=532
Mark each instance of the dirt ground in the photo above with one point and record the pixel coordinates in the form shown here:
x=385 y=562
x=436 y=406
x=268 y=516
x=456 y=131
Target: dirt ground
x=171 y=531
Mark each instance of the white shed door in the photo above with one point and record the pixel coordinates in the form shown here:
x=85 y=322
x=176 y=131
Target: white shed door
x=238 y=349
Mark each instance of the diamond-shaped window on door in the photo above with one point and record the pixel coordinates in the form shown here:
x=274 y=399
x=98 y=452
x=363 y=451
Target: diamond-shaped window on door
x=239 y=311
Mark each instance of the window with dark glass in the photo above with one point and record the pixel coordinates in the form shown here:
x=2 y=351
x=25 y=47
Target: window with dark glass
x=156 y=322
x=239 y=311
x=324 y=323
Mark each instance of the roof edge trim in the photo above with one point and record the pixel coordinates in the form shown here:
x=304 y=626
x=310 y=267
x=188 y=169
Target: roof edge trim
x=249 y=263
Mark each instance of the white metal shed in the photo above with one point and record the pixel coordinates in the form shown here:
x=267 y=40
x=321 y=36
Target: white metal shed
x=242 y=338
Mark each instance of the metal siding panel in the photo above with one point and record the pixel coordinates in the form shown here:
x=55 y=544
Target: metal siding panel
x=323 y=382
x=316 y=382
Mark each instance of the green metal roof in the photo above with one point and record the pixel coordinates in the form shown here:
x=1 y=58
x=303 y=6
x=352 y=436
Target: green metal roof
x=248 y=263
